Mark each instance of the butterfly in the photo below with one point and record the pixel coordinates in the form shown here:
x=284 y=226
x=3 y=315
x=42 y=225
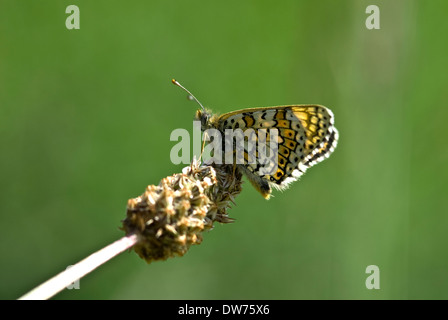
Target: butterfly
x=305 y=136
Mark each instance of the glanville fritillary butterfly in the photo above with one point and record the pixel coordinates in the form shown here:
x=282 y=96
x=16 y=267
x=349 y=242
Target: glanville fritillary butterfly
x=306 y=136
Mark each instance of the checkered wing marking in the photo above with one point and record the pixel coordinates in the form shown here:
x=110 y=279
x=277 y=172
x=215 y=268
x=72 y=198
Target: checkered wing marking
x=306 y=136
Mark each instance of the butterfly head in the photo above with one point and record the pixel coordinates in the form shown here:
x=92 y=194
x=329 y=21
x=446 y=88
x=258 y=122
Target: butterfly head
x=203 y=115
x=206 y=117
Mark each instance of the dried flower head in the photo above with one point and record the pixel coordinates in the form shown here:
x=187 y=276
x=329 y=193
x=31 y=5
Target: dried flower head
x=170 y=217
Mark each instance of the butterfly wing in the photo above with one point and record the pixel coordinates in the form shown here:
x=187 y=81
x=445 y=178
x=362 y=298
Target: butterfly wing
x=306 y=136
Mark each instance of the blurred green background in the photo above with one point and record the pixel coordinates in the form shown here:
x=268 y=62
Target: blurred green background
x=86 y=116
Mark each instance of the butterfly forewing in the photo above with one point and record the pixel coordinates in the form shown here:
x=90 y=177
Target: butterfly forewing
x=321 y=135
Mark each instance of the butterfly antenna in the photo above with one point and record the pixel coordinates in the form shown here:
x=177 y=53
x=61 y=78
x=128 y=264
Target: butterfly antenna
x=190 y=96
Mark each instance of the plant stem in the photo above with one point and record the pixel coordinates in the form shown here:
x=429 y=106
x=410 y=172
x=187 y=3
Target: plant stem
x=56 y=284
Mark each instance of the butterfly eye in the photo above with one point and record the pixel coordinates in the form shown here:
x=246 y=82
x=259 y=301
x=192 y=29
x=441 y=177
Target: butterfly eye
x=204 y=120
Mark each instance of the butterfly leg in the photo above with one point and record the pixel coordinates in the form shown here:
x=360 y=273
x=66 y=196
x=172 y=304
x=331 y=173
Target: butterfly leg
x=260 y=184
x=234 y=169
